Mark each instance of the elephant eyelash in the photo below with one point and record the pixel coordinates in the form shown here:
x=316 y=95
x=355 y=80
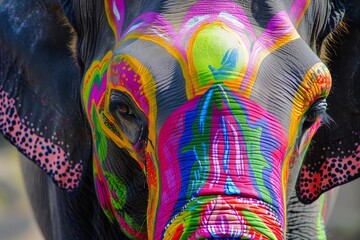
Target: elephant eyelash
x=316 y=111
x=326 y=119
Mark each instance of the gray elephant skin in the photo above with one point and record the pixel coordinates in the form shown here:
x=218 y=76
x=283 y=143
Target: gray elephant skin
x=182 y=119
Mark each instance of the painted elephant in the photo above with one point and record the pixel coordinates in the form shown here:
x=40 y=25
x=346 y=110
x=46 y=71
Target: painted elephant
x=178 y=120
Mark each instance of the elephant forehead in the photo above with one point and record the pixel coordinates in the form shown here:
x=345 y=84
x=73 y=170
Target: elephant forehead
x=214 y=43
x=216 y=55
x=218 y=48
x=221 y=45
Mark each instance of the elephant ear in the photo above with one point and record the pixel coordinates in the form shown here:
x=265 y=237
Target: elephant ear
x=90 y=21
x=40 y=108
x=334 y=159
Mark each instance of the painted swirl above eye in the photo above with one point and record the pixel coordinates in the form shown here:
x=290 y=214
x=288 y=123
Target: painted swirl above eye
x=129 y=118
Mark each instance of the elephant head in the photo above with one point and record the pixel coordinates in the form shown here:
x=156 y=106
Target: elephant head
x=198 y=114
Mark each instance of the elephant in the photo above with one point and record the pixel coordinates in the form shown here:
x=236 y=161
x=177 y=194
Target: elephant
x=181 y=119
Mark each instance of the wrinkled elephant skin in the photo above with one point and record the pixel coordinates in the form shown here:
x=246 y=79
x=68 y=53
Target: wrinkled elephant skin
x=187 y=120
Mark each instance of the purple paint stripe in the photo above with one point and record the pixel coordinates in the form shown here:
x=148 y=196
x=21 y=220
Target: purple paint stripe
x=154 y=24
x=119 y=5
x=278 y=27
x=169 y=165
x=143 y=19
x=297 y=9
x=96 y=93
x=214 y=8
x=148 y=20
x=209 y=12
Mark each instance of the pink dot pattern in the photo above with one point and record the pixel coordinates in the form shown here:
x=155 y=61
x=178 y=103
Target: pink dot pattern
x=48 y=156
x=338 y=168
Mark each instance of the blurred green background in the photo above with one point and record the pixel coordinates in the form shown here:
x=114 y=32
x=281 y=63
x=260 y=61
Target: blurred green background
x=17 y=223
x=16 y=220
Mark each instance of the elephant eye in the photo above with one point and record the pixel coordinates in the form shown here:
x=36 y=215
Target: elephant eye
x=124 y=110
x=129 y=118
x=318 y=109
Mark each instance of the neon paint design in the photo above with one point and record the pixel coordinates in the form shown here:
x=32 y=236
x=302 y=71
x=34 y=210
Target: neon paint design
x=126 y=73
x=246 y=223
x=115 y=12
x=228 y=36
x=321 y=217
x=219 y=149
x=298 y=10
x=315 y=85
x=97 y=85
x=194 y=154
x=232 y=29
x=334 y=169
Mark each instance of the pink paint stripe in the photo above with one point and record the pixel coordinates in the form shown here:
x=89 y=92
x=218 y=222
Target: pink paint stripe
x=212 y=8
x=297 y=10
x=96 y=93
x=279 y=26
x=118 y=8
x=128 y=229
x=116 y=16
x=151 y=21
x=208 y=12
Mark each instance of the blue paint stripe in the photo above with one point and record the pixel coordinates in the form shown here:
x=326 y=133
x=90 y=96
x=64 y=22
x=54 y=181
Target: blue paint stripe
x=227 y=145
x=204 y=109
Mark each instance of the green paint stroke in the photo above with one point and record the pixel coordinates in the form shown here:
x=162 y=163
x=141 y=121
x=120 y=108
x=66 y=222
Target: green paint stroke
x=191 y=218
x=109 y=214
x=100 y=138
x=320 y=220
x=252 y=141
x=216 y=54
x=98 y=71
x=258 y=224
x=118 y=197
x=94 y=81
x=111 y=126
x=117 y=189
x=200 y=144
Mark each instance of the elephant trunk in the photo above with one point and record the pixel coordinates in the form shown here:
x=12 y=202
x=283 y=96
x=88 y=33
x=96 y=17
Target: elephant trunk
x=219 y=171
x=225 y=216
